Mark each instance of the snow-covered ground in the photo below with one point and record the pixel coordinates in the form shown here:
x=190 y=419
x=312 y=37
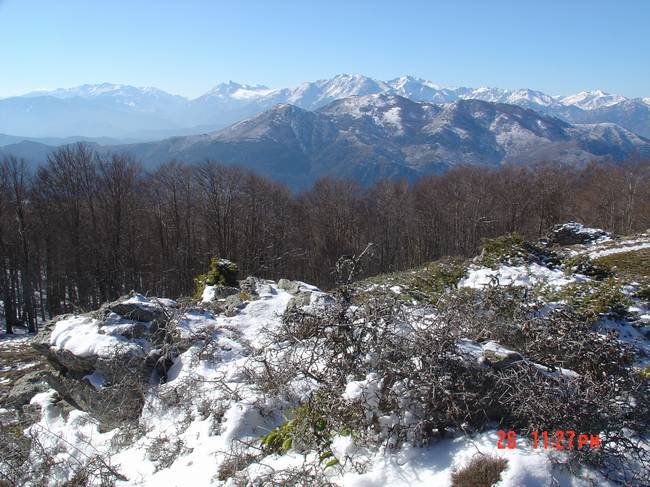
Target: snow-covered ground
x=189 y=411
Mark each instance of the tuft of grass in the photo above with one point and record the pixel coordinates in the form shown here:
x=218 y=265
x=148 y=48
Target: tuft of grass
x=514 y=250
x=234 y=464
x=643 y=293
x=500 y=249
x=482 y=471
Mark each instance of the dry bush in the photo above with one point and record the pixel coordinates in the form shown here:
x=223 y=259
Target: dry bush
x=237 y=459
x=309 y=474
x=427 y=387
x=482 y=471
x=37 y=458
x=516 y=319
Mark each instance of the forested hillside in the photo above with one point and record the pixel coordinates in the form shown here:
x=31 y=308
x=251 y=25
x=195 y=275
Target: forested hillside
x=86 y=228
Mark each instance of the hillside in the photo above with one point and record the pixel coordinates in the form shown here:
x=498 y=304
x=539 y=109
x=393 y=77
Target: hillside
x=368 y=138
x=398 y=379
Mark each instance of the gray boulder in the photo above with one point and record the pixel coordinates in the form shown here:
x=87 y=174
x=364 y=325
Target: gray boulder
x=110 y=383
x=27 y=387
x=292 y=287
x=232 y=305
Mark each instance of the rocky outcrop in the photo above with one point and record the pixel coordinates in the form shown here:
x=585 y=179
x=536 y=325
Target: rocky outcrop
x=103 y=360
x=573 y=233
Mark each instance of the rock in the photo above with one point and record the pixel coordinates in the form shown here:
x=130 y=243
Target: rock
x=217 y=292
x=499 y=357
x=107 y=372
x=222 y=292
x=573 y=233
x=249 y=286
x=27 y=387
x=232 y=305
x=299 y=301
x=110 y=404
x=292 y=287
x=135 y=307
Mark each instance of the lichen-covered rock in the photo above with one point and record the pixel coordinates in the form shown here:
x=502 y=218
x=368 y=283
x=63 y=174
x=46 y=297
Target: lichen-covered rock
x=299 y=301
x=249 y=286
x=499 y=357
x=137 y=307
x=293 y=287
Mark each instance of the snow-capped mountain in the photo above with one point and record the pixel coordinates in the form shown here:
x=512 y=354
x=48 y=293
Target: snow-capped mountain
x=237 y=91
x=104 y=89
x=115 y=110
x=590 y=100
x=384 y=135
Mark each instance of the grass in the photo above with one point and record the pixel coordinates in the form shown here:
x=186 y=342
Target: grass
x=499 y=249
x=633 y=265
x=482 y=471
x=424 y=283
x=592 y=299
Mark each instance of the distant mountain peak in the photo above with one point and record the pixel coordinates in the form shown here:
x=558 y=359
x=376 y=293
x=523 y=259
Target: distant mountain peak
x=95 y=90
x=124 y=111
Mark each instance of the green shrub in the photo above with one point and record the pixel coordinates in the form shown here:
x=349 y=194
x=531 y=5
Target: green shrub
x=643 y=293
x=424 y=283
x=633 y=265
x=222 y=272
x=307 y=429
x=441 y=276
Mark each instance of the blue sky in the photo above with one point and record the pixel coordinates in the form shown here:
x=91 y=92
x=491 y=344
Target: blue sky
x=186 y=47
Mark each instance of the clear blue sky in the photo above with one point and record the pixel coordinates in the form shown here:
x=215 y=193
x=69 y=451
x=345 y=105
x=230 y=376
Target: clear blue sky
x=186 y=47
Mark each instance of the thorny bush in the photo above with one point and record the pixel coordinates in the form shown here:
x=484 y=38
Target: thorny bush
x=414 y=383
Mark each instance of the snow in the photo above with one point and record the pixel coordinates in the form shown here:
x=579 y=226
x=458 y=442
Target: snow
x=209 y=294
x=590 y=100
x=618 y=250
x=96 y=379
x=210 y=422
x=433 y=466
x=522 y=275
x=80 y=336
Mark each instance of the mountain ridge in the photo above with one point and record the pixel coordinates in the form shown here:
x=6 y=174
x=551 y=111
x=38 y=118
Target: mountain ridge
x=371 y=137
x=124 y=111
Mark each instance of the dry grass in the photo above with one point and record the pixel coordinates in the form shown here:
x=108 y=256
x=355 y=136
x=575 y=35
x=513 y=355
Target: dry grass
x=482 y=471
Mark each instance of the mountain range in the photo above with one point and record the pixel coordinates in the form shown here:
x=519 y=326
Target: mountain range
x=371 y=137
x=141 y=114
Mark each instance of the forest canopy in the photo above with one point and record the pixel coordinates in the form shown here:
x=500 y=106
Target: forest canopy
x=86 y=227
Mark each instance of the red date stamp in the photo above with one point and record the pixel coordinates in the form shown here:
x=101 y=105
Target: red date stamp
x=554 y=440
